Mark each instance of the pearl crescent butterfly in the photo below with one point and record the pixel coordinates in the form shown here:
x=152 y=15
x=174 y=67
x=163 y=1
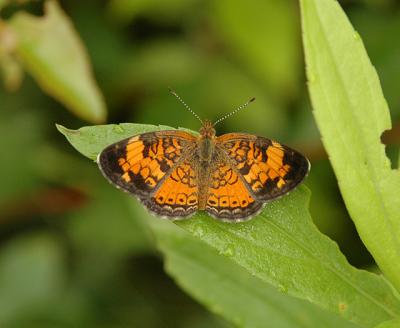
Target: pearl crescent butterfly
x=175 y=173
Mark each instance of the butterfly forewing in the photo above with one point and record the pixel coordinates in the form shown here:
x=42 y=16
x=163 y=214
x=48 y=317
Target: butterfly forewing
x=140 y=164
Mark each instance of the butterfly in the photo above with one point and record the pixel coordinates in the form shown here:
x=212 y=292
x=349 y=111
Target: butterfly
x=174 y=173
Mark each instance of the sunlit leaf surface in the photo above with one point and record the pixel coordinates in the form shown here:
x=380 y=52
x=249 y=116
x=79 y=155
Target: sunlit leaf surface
x=229 y=290
x=351 y=114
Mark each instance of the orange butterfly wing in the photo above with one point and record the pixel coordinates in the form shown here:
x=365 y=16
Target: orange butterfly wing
x=161 y=169
x=228 y=197
x=177 y=196
x=266 y=168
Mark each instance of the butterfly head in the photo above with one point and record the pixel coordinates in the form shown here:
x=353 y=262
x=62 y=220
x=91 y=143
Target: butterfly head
x=207 y=130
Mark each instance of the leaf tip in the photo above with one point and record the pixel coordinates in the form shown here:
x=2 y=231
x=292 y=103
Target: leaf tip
x=60 y=128
x=65 y=131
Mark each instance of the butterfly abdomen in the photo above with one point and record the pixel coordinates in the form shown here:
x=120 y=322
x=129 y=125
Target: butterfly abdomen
x=206 y=151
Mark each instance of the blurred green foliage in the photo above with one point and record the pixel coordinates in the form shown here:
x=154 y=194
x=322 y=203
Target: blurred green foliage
x=77 y=253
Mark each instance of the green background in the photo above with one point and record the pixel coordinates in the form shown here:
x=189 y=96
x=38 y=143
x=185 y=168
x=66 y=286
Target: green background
x=74 y=251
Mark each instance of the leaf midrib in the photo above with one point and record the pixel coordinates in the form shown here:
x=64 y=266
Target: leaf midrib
x=372 y=171
x=318 y=260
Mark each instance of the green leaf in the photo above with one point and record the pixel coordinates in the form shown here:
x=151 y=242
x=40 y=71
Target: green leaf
x=351 y=114
x=389 y=324
x=280 y=246
x=229 y=290
x=50 y=49
x=90 y=141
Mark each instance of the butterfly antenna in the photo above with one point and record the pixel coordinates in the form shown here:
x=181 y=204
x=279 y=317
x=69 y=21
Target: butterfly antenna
x=184 y=104
x=234 y=111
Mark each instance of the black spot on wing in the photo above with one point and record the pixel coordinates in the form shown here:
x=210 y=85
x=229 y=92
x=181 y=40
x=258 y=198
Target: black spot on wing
x=299 y=166
x=164 y=166
x=108 y=159
x=108 y=162
x=245 y=169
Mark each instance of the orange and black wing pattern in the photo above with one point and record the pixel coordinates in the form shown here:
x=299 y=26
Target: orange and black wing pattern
x=228 y=197
x=177 y=196
x=146 y=165
x=162 y=168
x=268 y=168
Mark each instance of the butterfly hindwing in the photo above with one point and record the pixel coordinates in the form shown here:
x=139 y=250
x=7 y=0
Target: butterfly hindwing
x=228 y=198
x=178 y=194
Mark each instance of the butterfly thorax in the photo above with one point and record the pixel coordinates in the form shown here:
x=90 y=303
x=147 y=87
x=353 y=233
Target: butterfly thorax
x=206 y=142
